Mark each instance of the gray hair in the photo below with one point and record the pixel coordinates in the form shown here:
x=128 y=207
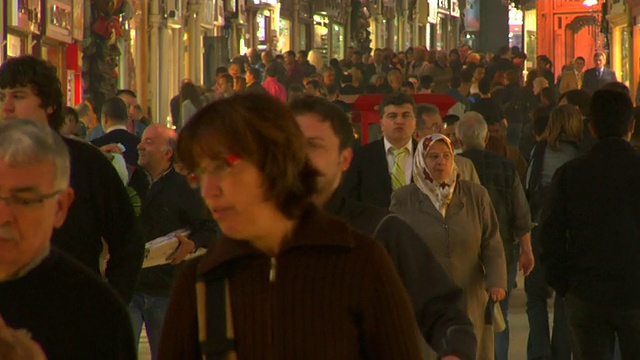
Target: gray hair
x=425 y=109
x=472 y=130
x=26 y=142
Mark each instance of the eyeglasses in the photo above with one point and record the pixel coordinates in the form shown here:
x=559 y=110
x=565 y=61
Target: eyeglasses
x=18 y=202
x=215 y=167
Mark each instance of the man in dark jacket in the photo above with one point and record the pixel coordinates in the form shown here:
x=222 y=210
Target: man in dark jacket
x=501 y=62
x=598 y=76
x=590 y=233
x=30 y=89
x=501 y=180
x=171 y=205
x=443 y=325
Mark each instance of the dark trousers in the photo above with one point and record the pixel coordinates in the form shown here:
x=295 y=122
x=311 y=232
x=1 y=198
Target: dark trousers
x=593 y=329
x=543 y=342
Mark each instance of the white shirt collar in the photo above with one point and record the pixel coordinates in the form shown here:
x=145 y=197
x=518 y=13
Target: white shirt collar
x=116 y=127
x=408 y=145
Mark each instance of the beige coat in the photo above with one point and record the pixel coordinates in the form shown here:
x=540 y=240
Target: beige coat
x=466 y=243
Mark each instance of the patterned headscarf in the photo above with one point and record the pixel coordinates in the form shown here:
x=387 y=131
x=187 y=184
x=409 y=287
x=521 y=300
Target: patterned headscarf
x=439 y=193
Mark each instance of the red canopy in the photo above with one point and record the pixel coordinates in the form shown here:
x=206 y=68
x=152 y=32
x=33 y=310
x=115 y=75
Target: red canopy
x=366 y=108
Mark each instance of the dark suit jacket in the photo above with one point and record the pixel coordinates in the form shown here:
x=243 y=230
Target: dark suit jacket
x=591 y=83
x=138 y=179
x=590 y=231
x=370 y=70
x=121 y=136
x=256 y=87
x=368 y=179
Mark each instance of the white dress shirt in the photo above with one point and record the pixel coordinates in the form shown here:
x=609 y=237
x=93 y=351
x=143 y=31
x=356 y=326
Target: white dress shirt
x=407 y=163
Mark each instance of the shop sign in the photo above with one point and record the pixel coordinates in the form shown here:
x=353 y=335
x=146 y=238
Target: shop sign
x=14 y=46
x=455 y=8
x=443 y=4
x=24 y=15
x=60 y=20
x=433 y=11
x=472 y=15
x=265 y=2
x=78 y=20
x=209 y=17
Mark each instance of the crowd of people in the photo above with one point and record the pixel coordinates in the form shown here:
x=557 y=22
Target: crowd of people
x=406 y=247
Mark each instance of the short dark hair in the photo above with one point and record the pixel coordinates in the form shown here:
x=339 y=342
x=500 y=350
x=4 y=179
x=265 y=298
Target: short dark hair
x=116 y=109
x=397 y=100
x=304 y=53
x=271 y=70
x=539 y=124
x=581 y=58
x=450 y=119
x=227 y=78
x=327 y=112
x=221 y=70
x=263 y=131
x=70 y=112
x=426 y=81
x=255 y=72
x=611 y=113
x=291 y=53
x=279 y=57
x=617 y=86
x=551 y=94
x=503 y=50
x=127 y=92
x=42 y=77
x=314 y=84
x=424 y=109
x=484 y=86
x=580 y=98
x=346 y=78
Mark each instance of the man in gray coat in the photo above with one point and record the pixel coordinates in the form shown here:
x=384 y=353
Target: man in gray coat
x=500 y=178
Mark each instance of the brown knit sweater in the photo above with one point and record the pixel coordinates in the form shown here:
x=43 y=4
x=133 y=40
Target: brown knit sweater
x=331 y=293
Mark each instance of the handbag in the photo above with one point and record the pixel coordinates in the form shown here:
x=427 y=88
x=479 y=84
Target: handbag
x=215 y=319
x=493 y=316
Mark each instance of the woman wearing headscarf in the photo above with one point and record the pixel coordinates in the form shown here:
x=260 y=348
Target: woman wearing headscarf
x=457 y=220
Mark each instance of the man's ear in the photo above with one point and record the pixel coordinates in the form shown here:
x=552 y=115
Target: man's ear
x=63 y=202
x=345 y=159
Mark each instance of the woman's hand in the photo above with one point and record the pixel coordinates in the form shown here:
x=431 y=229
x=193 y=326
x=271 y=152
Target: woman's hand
x=497 y=294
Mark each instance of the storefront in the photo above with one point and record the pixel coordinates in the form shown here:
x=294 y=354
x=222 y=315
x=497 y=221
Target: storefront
x=74 y=57
x=23 y=21
x=58 y=34
x=634 y=9
x=529 y=35
x=620 y=28
x=432 y=24
x=263 y=24
x=448 y=25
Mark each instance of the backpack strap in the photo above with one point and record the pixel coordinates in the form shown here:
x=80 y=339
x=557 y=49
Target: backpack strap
x=215 y=320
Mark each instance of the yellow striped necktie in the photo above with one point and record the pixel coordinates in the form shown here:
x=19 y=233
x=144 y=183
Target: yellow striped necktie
x=398 y=178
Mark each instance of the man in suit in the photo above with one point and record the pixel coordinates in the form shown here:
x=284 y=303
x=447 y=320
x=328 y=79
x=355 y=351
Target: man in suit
x=253 y=81
x=377 y=66
x=597 y=76
x=114 y=121
x=590 y=234
x=384 y=165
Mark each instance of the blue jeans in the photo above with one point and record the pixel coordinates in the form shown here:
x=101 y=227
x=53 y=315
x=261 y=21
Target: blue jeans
x=501 y=339
x=594 y=329
x=541 y=344
x=149 y=310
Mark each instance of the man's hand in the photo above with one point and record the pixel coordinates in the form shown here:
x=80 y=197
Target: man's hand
x=185 y=247
x=526 y=262
x=112 y=148
x=497 y=294
x=18 y=344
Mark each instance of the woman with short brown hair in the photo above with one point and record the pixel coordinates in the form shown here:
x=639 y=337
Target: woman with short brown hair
x=290 y=281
